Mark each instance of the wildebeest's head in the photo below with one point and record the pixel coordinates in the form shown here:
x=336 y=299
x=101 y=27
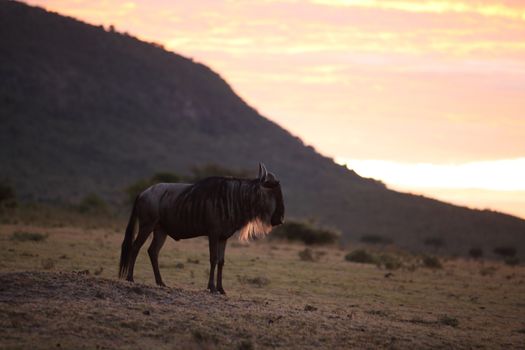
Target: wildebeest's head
x=272 y=190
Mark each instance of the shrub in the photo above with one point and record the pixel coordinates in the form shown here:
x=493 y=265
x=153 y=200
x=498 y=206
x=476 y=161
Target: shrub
x=48 y=264
x=476 y=253
x=375 y=239
x=212 y=169
x=307 y=255
x=133 y=190
x=505 y=251
x=23 y=236
x=92 y=203
x=449 y=321
x=389 y=262
x=434 y=242
x=303 y=232
x=512 y=261
x=258 y=281
x=361 y=256
x=432 y=262
x=7 y=195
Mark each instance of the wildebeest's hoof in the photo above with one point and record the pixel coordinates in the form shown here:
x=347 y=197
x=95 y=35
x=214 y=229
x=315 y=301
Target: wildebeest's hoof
x=213 y=290
x=221 y=290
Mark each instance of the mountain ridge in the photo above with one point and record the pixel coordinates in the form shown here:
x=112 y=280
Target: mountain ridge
x=88 y=110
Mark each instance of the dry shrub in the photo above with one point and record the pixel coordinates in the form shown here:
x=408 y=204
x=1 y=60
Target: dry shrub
x=389 y=261
x=307 y=255
x=258 y=281
x=306 y=233
x=449 y=321
x=512 y=261
x=361 y=256
x=505 y=251
x=246 y=345
x=48 y=264
x=432 y=262
x=23 y=236
x=476 y=253
x=375 y=239
x=202 y=336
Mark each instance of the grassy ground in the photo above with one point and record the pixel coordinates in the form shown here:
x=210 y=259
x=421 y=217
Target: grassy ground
x=58 y=288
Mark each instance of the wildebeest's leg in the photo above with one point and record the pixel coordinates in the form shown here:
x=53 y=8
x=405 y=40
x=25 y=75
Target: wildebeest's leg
x=222 y=249
x=144 y=232
x=214 y=255
x=159 y=237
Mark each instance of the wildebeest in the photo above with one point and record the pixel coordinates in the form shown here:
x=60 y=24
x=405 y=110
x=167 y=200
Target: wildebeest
x=216 y=207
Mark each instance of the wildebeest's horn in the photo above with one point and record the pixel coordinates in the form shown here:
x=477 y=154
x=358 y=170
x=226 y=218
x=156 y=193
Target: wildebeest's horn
x=263 y=173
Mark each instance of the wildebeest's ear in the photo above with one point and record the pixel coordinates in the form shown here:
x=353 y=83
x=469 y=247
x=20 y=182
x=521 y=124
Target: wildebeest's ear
x=263 y=173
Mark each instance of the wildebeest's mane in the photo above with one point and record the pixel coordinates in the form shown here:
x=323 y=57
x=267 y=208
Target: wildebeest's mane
x=225 y=204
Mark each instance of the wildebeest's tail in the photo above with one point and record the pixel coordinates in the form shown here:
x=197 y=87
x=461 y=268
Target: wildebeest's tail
x=127 y=244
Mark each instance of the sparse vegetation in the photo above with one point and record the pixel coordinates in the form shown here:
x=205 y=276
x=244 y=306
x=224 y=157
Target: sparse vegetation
x=375 y=239
x=23 y=236
x=93 y=203
x=432 y=262
x=512 y=261
x=48 y=264
x=361 y=256
x=137 y=187
x=306 y=233
x=505 y=251
x=436 y=242
x=380 y=304
x=212 y=169
x=476 y=253
x=258 y=281
x=449 y=321
x=389 y=261
x=7 y=195
x=307 y=255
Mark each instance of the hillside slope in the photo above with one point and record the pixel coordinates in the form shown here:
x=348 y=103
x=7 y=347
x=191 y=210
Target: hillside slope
x=87 y=110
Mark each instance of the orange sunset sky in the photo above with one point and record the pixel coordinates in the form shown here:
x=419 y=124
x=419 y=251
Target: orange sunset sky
x=427 y=96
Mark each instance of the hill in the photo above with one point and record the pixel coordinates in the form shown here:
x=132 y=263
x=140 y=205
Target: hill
x=87 y=110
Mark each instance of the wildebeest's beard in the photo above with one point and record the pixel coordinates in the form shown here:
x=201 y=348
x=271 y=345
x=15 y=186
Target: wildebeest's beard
x=225 y=205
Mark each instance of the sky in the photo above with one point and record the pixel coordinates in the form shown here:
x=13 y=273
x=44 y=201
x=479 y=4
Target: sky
x=426 y=96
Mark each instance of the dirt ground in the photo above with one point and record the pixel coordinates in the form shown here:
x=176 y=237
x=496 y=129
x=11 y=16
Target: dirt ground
x=61 y=291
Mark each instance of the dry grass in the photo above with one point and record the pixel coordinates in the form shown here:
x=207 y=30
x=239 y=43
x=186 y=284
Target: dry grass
x=275 y=299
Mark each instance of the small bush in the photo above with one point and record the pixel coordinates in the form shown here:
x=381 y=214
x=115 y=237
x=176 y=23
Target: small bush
x=201 y=336
x=92 y=203
x=476 y=253
x=512 y=261
x=375 y=239
x=434 y=242
x=449 y=321
x=7 y=195
x=432 y=262
x=48 y=264
x=133 y=190
x=256 y=281
x=505 y=251
x=211 y=169
x=389 y=262
x=245 y=345
x=23 y=236
x=306 y=233
x=307 y=255
x=361 y=256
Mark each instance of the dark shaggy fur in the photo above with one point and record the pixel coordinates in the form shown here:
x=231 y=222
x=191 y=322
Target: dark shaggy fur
x=219 y=205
